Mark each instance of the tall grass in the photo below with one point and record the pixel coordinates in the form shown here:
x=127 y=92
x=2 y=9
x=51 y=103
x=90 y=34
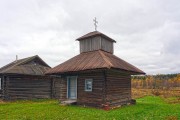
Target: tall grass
x=171 y=94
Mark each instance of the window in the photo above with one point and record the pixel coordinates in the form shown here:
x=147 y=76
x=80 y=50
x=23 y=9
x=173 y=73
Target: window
x=88 y=84
x=0 y=84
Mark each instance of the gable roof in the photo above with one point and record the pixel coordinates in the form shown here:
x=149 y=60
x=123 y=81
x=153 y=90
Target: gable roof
x=21 y=66
x=93 y=60
x=93 y=34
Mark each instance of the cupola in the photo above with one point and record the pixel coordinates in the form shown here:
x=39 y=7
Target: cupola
x=96 y=41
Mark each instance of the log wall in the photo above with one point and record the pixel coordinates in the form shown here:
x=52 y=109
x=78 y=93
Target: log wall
x=91 y=98
x=1 y=87
x=112 y=87
x=60 y=88
x=118 y=87
x=56 y=88
x=27 y=87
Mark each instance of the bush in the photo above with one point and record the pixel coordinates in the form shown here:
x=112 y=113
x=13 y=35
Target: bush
x=156 y=92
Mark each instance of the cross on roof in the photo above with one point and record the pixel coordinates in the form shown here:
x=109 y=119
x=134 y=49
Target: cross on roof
x=95 y=23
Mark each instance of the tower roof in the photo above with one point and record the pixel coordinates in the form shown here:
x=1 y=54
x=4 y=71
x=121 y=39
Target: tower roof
x=94 y=34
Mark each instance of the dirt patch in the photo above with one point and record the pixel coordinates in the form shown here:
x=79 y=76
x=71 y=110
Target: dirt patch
x=171 y=118
x=2 y=102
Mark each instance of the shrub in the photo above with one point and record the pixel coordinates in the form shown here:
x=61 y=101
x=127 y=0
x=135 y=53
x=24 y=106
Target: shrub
x=156 y=92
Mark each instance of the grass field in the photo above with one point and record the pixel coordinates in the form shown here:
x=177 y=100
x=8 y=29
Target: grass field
x=147 y=108
x=170 y=95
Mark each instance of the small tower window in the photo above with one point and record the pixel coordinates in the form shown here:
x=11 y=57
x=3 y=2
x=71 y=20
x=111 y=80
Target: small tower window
x=88 y=84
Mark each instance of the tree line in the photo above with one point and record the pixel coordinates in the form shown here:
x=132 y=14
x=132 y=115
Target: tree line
x=160 y=81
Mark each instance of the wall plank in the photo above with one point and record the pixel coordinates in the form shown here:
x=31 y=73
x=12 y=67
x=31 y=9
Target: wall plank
x=118 y=88
x=94 y=98
x=96 y=43
x=27 y=87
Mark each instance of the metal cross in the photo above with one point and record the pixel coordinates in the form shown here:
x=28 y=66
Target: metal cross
x=95 y=23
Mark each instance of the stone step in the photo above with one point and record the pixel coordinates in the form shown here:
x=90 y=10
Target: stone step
x=69 y=102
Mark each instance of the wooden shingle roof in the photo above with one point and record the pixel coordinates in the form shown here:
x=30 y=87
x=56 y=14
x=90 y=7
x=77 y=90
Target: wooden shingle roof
x=93 y=60
x=26 y=66
x=93 y=34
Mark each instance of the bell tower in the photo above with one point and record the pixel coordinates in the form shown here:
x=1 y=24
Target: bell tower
x=96 y=41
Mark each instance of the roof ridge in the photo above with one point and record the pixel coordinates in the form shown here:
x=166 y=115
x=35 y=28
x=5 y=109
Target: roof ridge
x=20 y=67
x=31 y=58
x=27 y=59
x=12 y=63
x=16 y=64
x=105 y=59
x=23 y=60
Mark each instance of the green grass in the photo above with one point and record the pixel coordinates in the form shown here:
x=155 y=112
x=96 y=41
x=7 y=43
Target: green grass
x=147 y=108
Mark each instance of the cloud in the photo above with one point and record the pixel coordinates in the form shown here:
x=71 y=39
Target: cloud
x=147 y=32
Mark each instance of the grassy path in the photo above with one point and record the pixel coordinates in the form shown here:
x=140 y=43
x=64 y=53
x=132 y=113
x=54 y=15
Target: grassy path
x=147 y=108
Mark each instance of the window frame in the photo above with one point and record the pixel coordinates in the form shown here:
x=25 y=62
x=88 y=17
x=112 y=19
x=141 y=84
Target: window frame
x=88 y=90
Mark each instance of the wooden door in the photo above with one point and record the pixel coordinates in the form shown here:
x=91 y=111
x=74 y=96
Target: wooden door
x=72 y=87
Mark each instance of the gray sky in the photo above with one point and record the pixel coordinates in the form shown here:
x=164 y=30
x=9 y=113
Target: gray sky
x=147 y=31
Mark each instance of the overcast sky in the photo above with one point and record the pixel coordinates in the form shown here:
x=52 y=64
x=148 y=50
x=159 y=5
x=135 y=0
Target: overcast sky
x=147 y=31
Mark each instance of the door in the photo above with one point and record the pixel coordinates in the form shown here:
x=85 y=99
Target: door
x=72 y=87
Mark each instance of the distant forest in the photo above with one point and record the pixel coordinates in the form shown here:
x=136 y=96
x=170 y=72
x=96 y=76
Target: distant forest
x=161 y=81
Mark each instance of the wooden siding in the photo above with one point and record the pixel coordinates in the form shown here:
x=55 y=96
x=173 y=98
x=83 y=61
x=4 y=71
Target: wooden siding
x=4 y=91
x=96 y=43
x=90 y=44
x=1 y=93
x=27 y=87
x=56 y=83
x=60 y=88
x=118 y=89
x=94 y=97
x=107 y=45
x=110 y=86
x=1 y=90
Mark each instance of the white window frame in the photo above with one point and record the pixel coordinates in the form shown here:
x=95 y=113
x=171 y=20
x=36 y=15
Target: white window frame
x=0 y=83
x=88 y=90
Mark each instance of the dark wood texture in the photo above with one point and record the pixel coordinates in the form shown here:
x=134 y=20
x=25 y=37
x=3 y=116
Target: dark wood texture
x=24 y=79
x=110 y=87
x=1 y=94
x=1 y=90
x=59 y=88
x=27 y=87
x=118 y=89
x=63 y=88
x=94 y=97
x=96 y=43
x=107 y=45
